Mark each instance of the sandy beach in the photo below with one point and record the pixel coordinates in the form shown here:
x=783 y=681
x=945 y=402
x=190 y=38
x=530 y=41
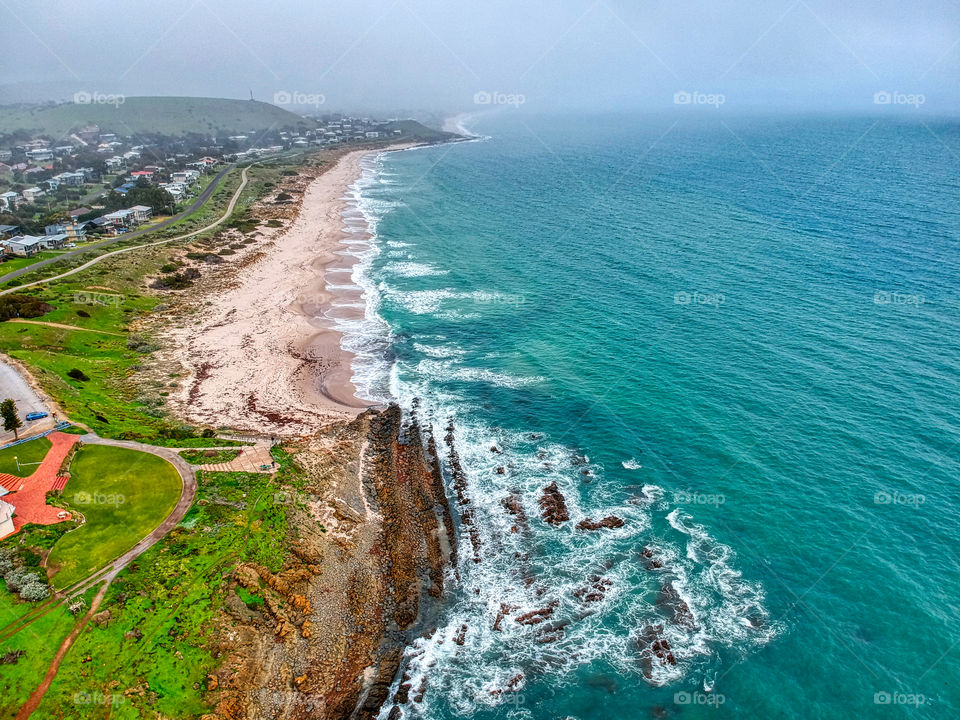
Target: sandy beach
x=260 y=353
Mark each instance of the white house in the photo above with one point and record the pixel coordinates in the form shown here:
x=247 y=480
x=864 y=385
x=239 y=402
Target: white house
x=53 y=242
x=40 y=154
x=9 y=200
x=121 y=218
x=6 y=518
x=32 y=194
x=141 y=213
x=24 y=245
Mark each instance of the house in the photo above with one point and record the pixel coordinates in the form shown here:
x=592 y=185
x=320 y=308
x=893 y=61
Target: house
x=9 y=230
x=40 y=154
x=121 y=218
x=185 y=176
x=53 y=242
x=63 y=150
x=24 y=245
x=70 y=179
x=373 y=134
x=10 y=199
x=74 y=214
x=73 y=231
x=177 y=190
x=114 y=163
x=141 y=213
x=33 y=194
x=137 y=174
x=6 y=518
x=5 y=155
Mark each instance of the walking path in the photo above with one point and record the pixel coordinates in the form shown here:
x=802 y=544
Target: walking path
x=64 y=327
x=250 y=459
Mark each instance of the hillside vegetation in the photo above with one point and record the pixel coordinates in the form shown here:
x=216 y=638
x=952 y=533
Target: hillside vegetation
x=145 y=115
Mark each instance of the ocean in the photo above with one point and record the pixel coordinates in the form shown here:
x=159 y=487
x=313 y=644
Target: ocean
x=741 y=337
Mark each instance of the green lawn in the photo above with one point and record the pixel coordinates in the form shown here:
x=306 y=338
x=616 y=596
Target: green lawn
x=14 y=264
x=27 y=453
x=123 y=494
x=166 y=607
x=38 y=642
x=208 y=457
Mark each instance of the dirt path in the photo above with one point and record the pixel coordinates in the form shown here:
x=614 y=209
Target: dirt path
x=37 y=695
x=63 y=327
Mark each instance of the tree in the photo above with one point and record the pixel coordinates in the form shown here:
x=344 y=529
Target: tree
x=11 y=418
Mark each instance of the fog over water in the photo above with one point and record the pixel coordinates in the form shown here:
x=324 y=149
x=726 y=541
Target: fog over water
x=805 y=56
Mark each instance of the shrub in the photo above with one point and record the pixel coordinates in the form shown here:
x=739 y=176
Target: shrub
x=19 y=578
x=140 y=344
x=34 y=592
x=168 y=268
x=83 y=313
x=78 y=375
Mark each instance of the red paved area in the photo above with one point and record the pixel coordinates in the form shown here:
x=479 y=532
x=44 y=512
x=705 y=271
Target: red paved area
x=29 y=495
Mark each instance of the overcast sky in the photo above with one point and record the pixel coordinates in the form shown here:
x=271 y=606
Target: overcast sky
x=806 y=55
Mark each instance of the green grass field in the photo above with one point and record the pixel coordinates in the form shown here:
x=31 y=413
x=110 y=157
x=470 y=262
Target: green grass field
x=38 y=642
x=164 y=608
x=27 y=453
x=208 y=457
x=123 y=494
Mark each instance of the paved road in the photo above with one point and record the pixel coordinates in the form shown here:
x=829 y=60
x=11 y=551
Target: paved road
x=14 y=386
x=201 y=199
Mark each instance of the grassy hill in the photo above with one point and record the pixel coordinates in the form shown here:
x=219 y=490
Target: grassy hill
x=166 y=115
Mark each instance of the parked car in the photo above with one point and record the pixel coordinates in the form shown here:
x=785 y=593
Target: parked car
x=36 y=415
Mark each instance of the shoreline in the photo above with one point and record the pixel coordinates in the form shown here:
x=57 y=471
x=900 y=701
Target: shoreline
x=266 y=354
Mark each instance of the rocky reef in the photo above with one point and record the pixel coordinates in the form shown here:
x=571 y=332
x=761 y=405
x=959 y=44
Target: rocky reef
x=370 y=539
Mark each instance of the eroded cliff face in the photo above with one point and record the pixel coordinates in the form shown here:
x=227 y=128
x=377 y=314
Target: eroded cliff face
x=370 y=539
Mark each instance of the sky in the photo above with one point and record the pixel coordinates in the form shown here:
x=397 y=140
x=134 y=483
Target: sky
x=808 y=56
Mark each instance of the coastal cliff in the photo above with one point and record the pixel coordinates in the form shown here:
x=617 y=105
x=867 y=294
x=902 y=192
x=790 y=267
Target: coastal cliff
x=370 y=539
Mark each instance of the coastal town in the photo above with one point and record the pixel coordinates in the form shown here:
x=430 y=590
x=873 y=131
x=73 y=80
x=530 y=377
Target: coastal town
x=59 y=195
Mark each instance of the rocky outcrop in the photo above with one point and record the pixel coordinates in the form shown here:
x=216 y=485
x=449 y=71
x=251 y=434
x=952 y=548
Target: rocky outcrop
x=553 y=506
x=369 y=539
x=611 y=521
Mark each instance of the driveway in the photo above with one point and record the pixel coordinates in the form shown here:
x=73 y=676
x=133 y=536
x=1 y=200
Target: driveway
x=12 y=385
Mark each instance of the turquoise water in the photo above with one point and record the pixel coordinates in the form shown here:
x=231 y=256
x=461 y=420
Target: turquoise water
x=747 y=334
